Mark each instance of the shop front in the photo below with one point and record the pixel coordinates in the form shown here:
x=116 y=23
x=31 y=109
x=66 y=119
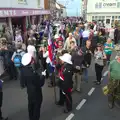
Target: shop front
x=106 y=11
x=19 y=17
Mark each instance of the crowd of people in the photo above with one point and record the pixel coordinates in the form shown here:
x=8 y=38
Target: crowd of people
x=75 y=44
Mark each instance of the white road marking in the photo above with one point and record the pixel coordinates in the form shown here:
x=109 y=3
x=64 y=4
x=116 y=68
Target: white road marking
x=91 y=91
x=70 y=116
x=81 y=104
x=105 y=73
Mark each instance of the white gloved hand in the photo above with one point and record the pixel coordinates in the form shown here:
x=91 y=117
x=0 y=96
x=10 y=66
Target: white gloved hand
x=44 y=73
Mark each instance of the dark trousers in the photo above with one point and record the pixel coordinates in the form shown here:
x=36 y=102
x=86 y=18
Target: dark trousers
x=34 y=109
x=11 y=70
x=18 y=73
x=98 y=70
x=108 y=57
x=66 y=99
x=1 y=98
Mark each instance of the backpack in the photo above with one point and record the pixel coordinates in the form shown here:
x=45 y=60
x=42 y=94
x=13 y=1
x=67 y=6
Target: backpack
x=17 y=59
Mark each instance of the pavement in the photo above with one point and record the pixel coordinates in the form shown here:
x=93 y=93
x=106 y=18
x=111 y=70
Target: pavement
x=90 y=104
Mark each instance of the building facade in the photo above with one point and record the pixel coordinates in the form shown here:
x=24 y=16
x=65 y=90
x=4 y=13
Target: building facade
x=104 y=10
x=61 y=11
x=21 y=12
x=84 y=9
x=51 y=5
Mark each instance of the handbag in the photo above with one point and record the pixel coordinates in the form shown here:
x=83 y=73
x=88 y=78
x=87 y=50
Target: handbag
x=105 y=90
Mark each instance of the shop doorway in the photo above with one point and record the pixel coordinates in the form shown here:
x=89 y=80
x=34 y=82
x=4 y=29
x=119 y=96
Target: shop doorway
x=17 y=22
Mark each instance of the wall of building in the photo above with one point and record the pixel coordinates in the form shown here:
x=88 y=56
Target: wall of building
x=64 y=14
x=46 y=4
x=33 y=4
x=99 y=6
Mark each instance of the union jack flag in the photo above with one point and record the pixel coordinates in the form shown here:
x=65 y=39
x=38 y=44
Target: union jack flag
x=51 y=53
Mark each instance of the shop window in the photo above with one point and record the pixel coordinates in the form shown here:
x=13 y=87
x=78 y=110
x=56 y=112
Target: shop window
x=96 y=5
x=108 y=21
x=118 y=5
x=100 y=17
x=22 y=1
x=112 y=17
x=103 y=17
x=100 y=5
x=96 y=17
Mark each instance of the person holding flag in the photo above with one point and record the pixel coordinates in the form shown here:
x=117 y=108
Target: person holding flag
x=49 y=54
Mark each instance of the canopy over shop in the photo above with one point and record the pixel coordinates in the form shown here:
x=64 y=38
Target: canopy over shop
x=18 y=16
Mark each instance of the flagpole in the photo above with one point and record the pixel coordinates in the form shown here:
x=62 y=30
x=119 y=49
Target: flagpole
x=54 y=86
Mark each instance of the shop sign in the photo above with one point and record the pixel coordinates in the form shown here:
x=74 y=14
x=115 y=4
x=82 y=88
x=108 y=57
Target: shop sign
x=109 y=5
x=18 y=12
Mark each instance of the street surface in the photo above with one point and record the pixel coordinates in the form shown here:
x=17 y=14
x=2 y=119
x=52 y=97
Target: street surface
x=90 y=104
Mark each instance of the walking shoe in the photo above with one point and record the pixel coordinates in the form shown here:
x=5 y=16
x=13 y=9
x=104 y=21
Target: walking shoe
x=110 y=105
x=98 y=83
x=67 y=111
x=78 y=90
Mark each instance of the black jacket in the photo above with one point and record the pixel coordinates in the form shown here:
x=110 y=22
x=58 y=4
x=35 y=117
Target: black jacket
x=31 y=82
x=67 y=73
x=77 y=59
x=87 y=56
x=7 y=55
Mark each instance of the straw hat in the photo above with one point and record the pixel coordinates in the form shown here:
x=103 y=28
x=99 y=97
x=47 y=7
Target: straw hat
x=26 y=59
x=66 y=58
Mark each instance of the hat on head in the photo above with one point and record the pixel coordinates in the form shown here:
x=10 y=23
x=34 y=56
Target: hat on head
x=26 y=59
x=66 y=58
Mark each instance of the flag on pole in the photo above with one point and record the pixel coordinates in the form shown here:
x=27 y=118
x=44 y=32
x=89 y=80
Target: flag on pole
x=51 y=53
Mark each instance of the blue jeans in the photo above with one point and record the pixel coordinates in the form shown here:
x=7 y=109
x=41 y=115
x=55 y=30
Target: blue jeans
x=85 y=73
x=84 y=41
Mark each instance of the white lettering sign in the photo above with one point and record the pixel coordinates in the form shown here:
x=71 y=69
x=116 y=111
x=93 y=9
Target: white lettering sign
x=6 y=13
x=25 y=12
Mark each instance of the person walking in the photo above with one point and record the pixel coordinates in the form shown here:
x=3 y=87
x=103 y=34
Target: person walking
x=33 y=81
x=1 y=99
x=108 y=46
x=66 y=81
x=99 y=63
x=87 y=58
x=68 y=40
x=77 y=59
x=16 y=58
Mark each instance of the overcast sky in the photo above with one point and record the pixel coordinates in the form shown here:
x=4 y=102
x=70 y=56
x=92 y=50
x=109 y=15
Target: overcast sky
x=73 y=6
